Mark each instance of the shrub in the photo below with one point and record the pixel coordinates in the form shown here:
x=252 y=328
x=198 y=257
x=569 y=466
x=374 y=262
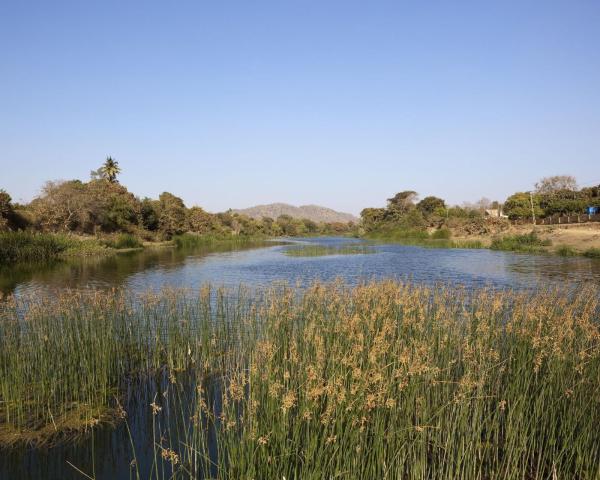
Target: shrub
x=592 y=253
x=565 y=251
x=528 y=242
x=441 y=234
x=126 y=240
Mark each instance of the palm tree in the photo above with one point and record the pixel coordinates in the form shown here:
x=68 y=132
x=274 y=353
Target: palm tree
x=110 y=169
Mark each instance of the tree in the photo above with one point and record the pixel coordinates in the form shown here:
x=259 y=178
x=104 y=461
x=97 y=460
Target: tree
x=430 y=204
x=371 y=218
x=518 y=206
x=6 y=210
x=551 y=185
x=110 y=169
x=310 y=226
x=111 y=206
x=62 y=206
x=403 y=201
x=149 y=210
x=287 y=225
x=172 y=214
x=200 y=221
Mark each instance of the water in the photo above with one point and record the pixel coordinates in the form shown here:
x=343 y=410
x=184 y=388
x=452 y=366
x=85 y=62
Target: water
x=260 y=264
x=107 y=451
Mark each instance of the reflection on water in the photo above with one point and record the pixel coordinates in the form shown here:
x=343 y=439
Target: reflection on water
x=261 y=263
x=107 y=451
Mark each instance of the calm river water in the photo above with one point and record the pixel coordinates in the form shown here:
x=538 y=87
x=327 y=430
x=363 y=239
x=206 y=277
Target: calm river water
x=260 y=264
x=254 y=265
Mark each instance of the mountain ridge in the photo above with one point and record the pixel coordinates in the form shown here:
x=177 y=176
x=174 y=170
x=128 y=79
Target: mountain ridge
x=316 y=213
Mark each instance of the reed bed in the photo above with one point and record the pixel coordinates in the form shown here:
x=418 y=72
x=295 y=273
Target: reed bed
x=383 y=380
x=527 y=243
x=325 y=250
x=31 y=247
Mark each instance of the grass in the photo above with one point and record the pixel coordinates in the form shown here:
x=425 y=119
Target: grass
x=31 y=247
x=440 y=238
x=592 y=253
x=27 y=247
x=399 y=234
x=441 y=234
x=565 y=251
x=528 y=242
x=323 y=250
x=192 y=240
x=124 y=241
x=384 y=380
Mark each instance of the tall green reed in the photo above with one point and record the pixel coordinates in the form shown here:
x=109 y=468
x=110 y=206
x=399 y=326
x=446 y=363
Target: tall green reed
x=384 y=380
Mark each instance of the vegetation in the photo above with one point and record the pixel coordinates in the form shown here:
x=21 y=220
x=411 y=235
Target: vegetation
x=323 y=250
x=124 y=241
x=30 y=247
x=592 y=253
x=378 y=381
x=565 y=251
x=528 y=242
x=106 y=210
x=557 y=195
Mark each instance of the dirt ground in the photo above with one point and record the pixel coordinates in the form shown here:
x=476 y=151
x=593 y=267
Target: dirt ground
x=580 y=237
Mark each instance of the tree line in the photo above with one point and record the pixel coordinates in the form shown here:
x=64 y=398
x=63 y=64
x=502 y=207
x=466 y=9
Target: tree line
x=551 y=196
x=103 y=206
x=557 y=195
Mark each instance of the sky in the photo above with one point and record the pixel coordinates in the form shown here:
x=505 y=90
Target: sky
x=229 y=104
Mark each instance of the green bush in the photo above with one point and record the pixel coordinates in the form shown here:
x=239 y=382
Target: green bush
x=126 y=240
x=441 y=234
x=528 y=242
x=565 y=251
x=592 y=253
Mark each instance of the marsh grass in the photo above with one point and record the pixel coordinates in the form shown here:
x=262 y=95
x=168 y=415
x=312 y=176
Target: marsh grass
x=124 y=241
x=192 y=240
x=18 y=247
x=565 y=251
x=325 y=250
x=592 y=253
x=441 y=238
x=384 y=380
x=26 y=247
x=529 y=243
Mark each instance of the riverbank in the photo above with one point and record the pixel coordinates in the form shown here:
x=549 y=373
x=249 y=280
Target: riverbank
x=27 y=247
x=566 y=240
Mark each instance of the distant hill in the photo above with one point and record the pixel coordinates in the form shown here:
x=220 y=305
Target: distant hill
x=312 y=212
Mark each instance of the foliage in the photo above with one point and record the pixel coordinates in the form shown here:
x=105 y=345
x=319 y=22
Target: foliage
x=85 y=207
x=5 y=209
x=430 y=205
x=385 y=380
x=29 y=247
x=171 y=215
x=592 y=253
x=565 y=251
x=126 y=240
x=324 y=250
x=518 y=206
x=371 y=218
x=110 y=169
x=441 y=234
x=528 y=242
x=557 y=195
x=556 y=183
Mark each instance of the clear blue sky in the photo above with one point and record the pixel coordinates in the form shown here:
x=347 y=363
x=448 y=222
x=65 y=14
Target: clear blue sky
x=339 y=103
